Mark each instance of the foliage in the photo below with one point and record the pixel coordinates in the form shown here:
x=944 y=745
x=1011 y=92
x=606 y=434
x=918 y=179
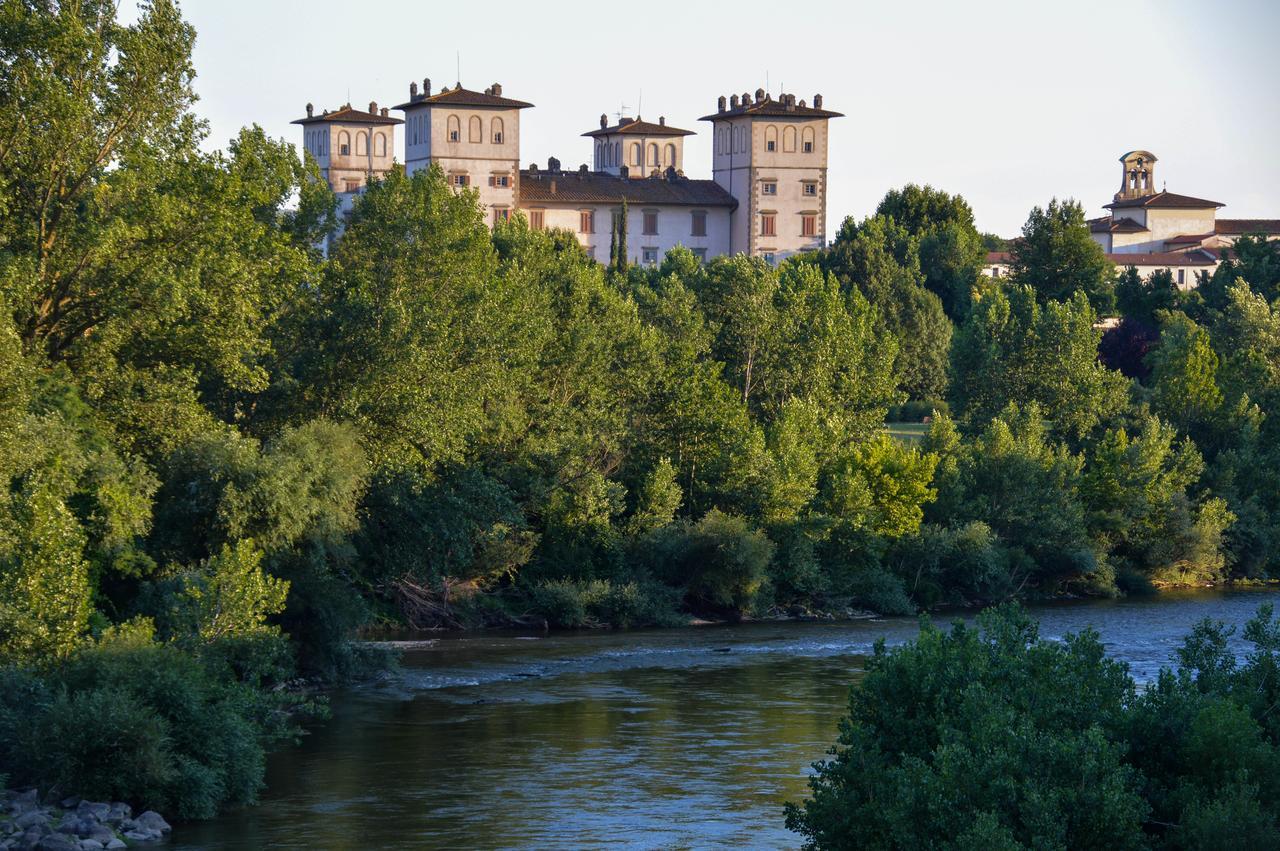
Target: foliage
x=1057 y=258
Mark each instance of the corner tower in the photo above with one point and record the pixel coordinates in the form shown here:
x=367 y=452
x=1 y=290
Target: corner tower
x=350 y=145
x=473 y=136
x=771 y=155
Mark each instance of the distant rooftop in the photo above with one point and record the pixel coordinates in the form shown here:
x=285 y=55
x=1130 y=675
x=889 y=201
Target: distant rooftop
x=597 y=187
x=1160 y=200
x=637 y=127
x=347 y=115
x=764 y=105
x=490 y=98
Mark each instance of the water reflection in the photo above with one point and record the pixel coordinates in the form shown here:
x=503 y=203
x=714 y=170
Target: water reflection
x=671 y=739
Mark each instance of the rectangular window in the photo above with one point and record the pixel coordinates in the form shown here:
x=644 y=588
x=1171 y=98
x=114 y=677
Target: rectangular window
x=353 y=185
x=537 y=219
x=501 y=214
x=808 y=225
x=995 y=271
x=769 y=187
x=650 y=222
x=771 y=146
x=344 y=150
x=808 y=147
x=701 y=254
x=1182 y=276
x=649 y=256
x=497 y=138
x=587 y=221
x=699 y=223
x=768 y=224
x=810 y=188
x=591 y=251
x=770 y=258
x=500 y=180
x=453 y=135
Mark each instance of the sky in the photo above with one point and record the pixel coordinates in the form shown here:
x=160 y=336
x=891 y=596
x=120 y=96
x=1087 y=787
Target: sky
x=1006 y=103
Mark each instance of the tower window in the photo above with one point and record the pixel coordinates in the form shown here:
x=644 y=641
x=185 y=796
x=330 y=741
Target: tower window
x=769 y=187
x=808 y=225
x=460 y=179
x=810 y=188
x=500 y=180
x=768 y=224
x=771 y=146
x=699 y=223
x=808 y=147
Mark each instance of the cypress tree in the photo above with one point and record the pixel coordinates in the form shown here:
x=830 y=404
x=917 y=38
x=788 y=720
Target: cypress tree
x=620 y=259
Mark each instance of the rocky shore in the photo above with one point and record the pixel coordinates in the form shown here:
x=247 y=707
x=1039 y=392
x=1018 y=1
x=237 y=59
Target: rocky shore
x=73 y=824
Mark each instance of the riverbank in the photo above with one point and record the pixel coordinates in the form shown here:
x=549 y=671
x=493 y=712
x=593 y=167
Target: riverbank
x=73 y=824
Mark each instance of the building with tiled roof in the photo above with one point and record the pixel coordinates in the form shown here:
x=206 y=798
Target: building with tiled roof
x=767 y=195
x=1159 y=223
x=1185 y=266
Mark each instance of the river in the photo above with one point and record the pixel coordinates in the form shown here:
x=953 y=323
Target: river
x=685 y=738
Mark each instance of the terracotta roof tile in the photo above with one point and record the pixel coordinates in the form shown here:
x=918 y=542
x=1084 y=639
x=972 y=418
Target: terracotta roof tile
x=464 y=97
x=1164 y=199
x=1234 y=227
x=598 y=187
x=1110 y=224
x=768 y=107
x=634 y=126
x=347 y=115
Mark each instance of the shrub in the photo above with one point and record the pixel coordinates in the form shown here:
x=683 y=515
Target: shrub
x=721 y=561
x=571 y=604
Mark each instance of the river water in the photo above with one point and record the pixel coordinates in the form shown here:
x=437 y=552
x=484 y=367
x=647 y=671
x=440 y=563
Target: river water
x=688 y=738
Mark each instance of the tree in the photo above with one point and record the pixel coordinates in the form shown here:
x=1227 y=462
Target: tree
x=950 y=742
x=1013 y=349
x=1057 y=257
x=950 y=248
x=1184 y=375
x=620 y=256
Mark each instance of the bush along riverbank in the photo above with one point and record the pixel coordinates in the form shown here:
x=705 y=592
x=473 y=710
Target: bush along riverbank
x=74 y=824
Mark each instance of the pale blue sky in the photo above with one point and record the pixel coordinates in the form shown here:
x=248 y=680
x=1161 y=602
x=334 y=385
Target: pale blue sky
x=1007 y=103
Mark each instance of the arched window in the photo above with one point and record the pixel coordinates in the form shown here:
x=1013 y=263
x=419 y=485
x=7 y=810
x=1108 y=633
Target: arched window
x=617 y=153
x=495 y=126
x=362 y=144
x=806 y=141
x=789 y=140
x=475 y=129
x=344 y=144
x=455 y=129
x=771 y=138
x=669 y=157
x=380 y=145
x=635 y=153
x=653 y=155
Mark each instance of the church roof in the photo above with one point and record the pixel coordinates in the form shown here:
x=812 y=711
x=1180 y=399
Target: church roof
x=770 y=108
x=459 y=96
x=347 y=115
x=634 y=126
x=1110 y=224
x=1188 y=238
x=1193 y=257
x=597 y=187
x=1164 y=200
x=1233 y=227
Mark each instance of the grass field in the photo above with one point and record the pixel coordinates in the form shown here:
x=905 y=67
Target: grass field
x=907 y=432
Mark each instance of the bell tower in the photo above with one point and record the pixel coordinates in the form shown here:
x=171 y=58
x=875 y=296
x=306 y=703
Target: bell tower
x=1138 y=175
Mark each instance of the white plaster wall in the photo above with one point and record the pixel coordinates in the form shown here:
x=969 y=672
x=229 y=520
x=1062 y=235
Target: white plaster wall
x=675 y=227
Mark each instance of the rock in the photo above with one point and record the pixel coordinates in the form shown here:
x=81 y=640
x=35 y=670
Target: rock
x=91 y=845
x=33 y=818
x=115 y=844
x=119 y=812
x=58 y=842
x=98 y=812
x=152 y=820
x=139 y=835
x=23 y=801
x=70 y=803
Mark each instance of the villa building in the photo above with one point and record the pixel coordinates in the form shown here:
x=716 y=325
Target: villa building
x=767 y=196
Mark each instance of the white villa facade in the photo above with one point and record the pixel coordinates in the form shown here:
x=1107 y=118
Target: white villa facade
x=767 y=195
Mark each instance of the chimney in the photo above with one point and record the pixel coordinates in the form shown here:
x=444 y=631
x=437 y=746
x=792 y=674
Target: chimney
x=582 y=169
x=310 y=109
x=670 y=174
x=624 y=172
x=733 y=102
x=662 y=121
x=759 y=95
x=383 y=112
x=553 y=186
x=497 y=89
x=373 y=107
x=604 y=121
x=413 y=91
x=553 y=164
x=426 y=87
x=746 y=98
x=720 y=104
x=533 y=168
x=817 y=101
x=802 y=103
